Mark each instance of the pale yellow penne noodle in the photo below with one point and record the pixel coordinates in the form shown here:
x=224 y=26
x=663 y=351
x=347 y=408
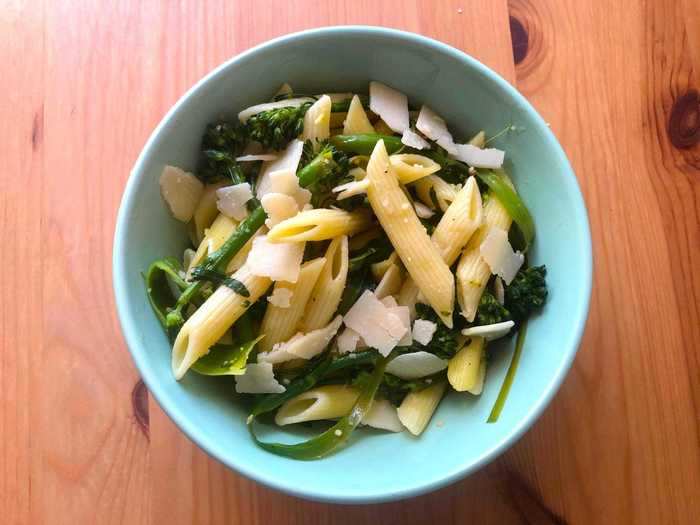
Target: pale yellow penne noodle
x=460 y=221
x=410 y=167
x=317 y=120
x=408 y=295
x=478 y=387
x=323 y=402
x=472 y=271
x=211 y=320
x=356 y=120
x=214 y=236
x=445 y=192
x=419 y=255
x=329 y=287
x=320 y=225
x=463 y=369
x=206 y=210
x=390 y=283
x=478 y=140
x=362 y=239
x=380 y=268
x=279 y=324
x=418 y=407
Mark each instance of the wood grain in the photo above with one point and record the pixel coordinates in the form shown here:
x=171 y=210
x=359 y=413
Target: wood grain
x=85 y=82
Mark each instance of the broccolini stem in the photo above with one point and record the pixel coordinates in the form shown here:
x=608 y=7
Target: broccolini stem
x=363 y=144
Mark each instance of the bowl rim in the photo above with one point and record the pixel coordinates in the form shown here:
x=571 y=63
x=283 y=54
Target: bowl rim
x=120 y=276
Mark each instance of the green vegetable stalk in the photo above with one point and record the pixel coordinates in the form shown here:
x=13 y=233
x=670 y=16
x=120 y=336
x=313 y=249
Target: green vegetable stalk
x=363 y=144
x=510 y=376
x=338 y=434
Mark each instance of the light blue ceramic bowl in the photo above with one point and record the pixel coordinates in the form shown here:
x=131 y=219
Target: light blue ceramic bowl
x=377 y=466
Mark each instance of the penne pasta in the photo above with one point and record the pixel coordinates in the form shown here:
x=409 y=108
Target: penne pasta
x=356 y=121
x=329 y=287
x=319 y=225
x=418 y=407
x=472 y=271
x=478 y=140
x=408 y=236
x=206 y=210
x=464 y=368
x=410 y=167
x=432 y=185
x=220 y=230
x=323 y=402
x=317 y=120
x=380 y=268
x=211 y=320
x=460 y=221
x=478 y=387
x=361 y=240
x=408 y=295
x=279 y=324
x=390 y=283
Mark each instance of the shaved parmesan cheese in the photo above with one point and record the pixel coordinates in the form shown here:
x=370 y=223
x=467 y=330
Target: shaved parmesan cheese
x=356 y=120
x=423 y=331
x=390 y=105
x=278 y=207
x=287 y=160
x=422 y=210
x=181 y=191
x=286 y=181
x=433 y=127
x=479 y=158
x=252 y=158
x=376 y=324
x=279 y=261
x=350 y=189
x=499 y=255
x=383 y=415
x=258 y=379
x=347 y=341
x=489 y=331
x=415 y=365
x=414 y=140
x=280 y=297
x=389 y=301
x=232 y=200
x=403 y=313
x=302 y=346
x=244 y=115
x=498 y=290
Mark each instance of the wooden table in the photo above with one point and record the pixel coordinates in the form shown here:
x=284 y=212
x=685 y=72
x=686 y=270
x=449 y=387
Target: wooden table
x=84 y=83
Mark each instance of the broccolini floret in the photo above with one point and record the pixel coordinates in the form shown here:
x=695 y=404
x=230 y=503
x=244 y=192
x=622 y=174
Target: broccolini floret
x=275 y=128
x=526 y=293
x=222 y=142
x=327 y=169
x=444 y=341
x=490 y=311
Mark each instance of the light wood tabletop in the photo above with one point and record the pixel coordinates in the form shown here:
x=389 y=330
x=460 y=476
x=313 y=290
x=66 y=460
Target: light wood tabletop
x=84 y=84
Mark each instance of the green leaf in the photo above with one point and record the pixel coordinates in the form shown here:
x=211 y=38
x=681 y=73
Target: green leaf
x=225 y=360
x=159 y=291
x=338 y=434
x=498 y=183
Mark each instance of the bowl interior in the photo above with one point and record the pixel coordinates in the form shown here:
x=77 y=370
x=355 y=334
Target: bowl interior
x=470 y=97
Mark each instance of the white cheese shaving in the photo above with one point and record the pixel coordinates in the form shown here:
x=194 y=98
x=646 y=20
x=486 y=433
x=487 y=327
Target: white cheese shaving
x=286 y=181
x=279 y=261
x=231 y=200
x=435 y=128
x=423 y=331
x=258 y=379
x=480 y=158
x=253 y=158
x=422 y=210
x=415 y=365
x=383 y=415
x=498 y=290
x=287 y=160
x=181 y=191
x=390 y=105
x=280 y=297
x=350 y=189
x=244 y=115
x=389 y=301
x=278 y=207
x=403 y=313
x=302 y=346
x=489 y=331
x=499 y=255
x=414 y=140
x=379 y=327
x=347 y=341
